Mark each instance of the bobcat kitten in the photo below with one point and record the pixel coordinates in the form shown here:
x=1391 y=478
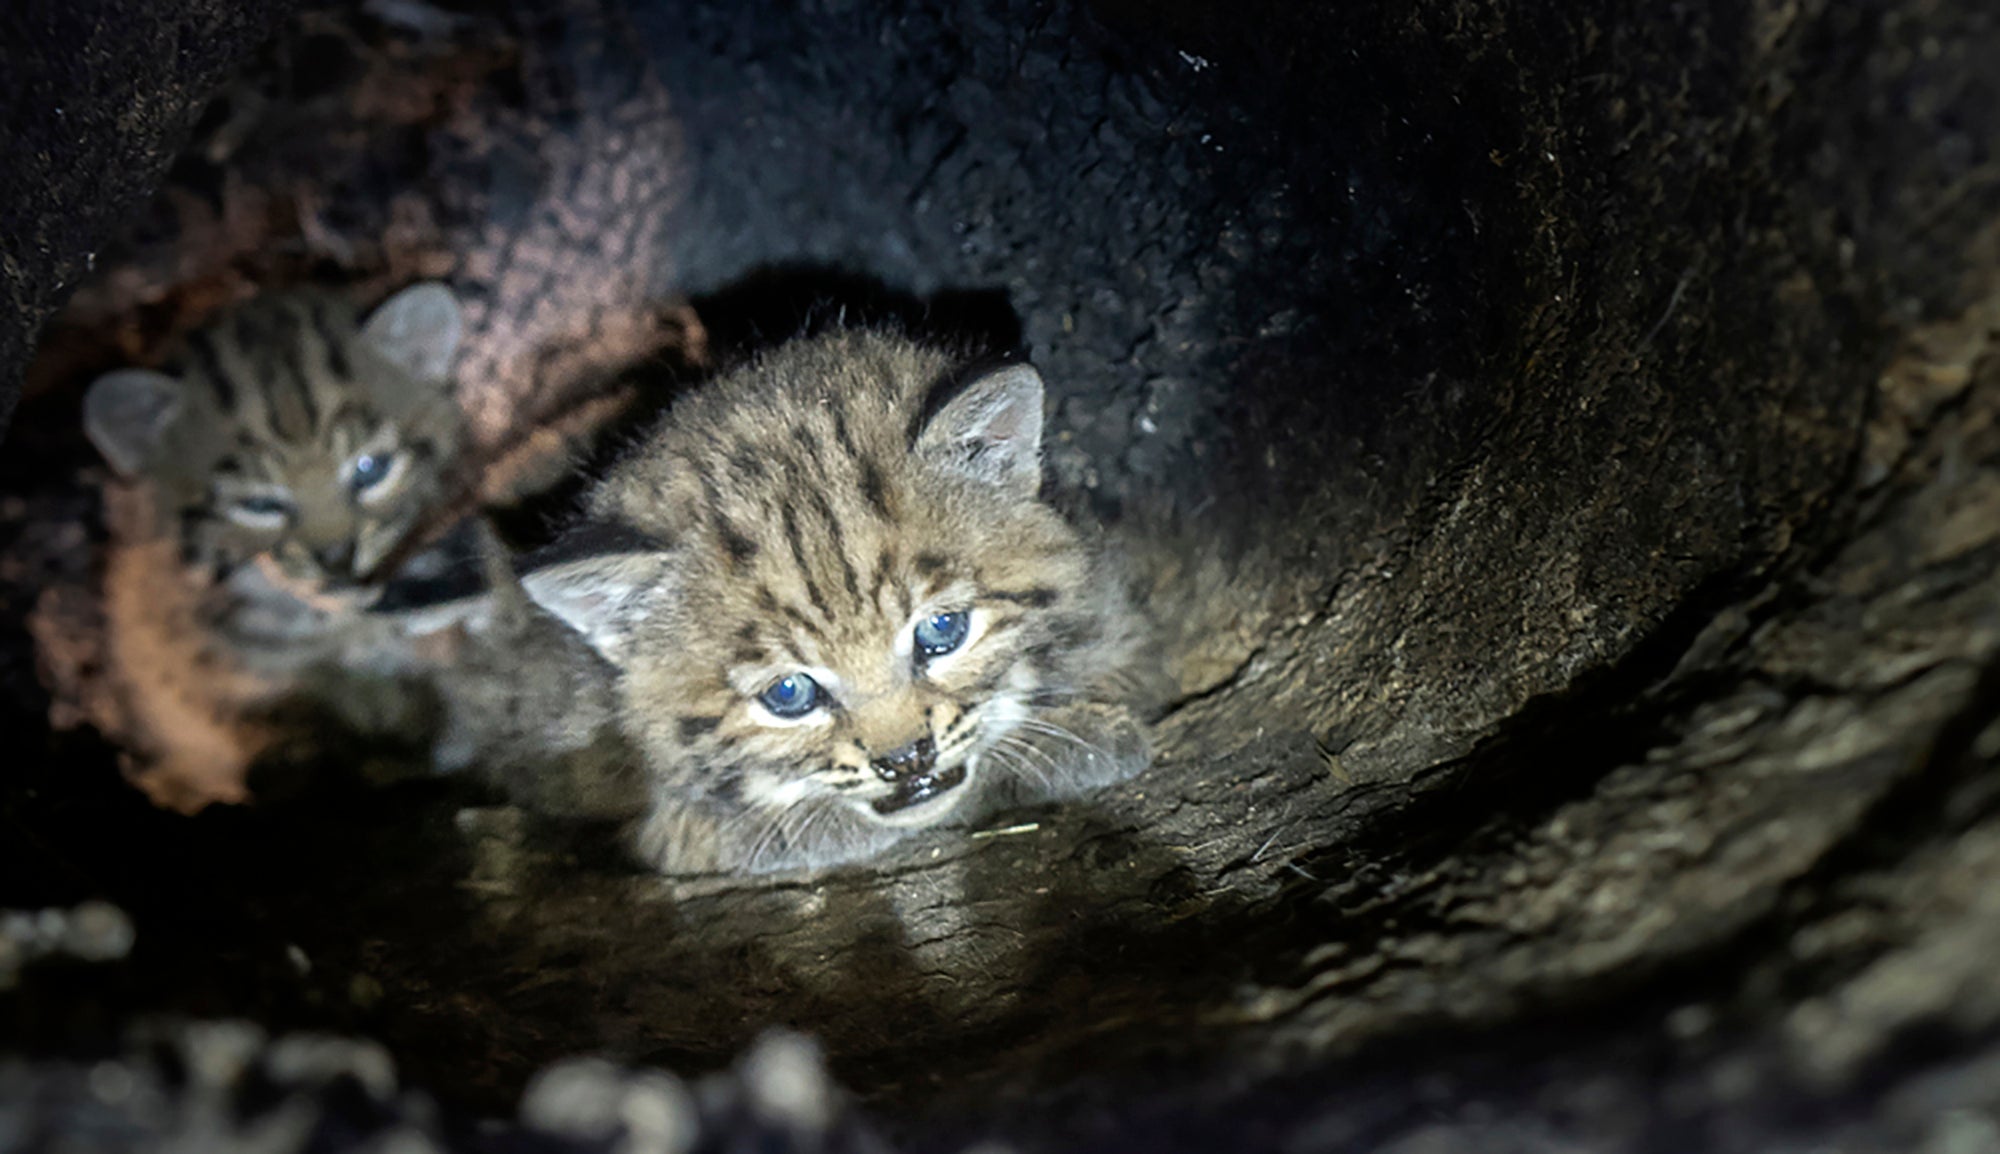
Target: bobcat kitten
x=841 y=612
x=292 y=451
x=294 y=436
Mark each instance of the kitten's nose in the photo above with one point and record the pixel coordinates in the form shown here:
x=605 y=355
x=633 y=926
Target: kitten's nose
x=913 y=760
x=335 y=558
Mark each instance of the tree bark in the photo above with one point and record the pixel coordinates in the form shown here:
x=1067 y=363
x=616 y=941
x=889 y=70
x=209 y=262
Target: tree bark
x=97 y=100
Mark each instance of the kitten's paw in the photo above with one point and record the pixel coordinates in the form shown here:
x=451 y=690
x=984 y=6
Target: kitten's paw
x=1074 y=750
x=681 y=838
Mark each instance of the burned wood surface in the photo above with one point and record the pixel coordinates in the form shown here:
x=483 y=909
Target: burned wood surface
x=1603 y=401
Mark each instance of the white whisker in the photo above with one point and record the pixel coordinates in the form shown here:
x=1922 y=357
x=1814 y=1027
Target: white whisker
x=813 y=815
x=1015 y=746
x=1010 y=761
x=774 y=827
x=1050 y=729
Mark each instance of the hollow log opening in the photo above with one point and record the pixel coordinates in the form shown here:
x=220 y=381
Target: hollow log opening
x=1596 y=751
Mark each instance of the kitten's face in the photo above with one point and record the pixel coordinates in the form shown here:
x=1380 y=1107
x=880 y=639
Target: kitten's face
x=859 y=605
x=895 y=700
x=328 y=509
x=293 y=434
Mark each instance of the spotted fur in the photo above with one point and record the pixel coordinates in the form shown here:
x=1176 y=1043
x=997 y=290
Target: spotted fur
x=803 y=517
x=288 y=429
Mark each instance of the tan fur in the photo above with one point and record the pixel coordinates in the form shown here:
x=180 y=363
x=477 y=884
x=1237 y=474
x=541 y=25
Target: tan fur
x=803 y=515
x=277 y=401
x=527 y=706
x=207 y=624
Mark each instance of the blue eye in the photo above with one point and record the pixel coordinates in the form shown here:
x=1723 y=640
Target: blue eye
x=262 y=508
x=792 y=696
x=940 y=633
x=370 y=470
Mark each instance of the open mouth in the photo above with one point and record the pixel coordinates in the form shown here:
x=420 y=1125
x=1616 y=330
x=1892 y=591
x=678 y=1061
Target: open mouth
x=918 y=790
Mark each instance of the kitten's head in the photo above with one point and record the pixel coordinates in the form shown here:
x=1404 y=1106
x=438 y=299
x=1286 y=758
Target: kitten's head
x=289 y=429
x=847 y=604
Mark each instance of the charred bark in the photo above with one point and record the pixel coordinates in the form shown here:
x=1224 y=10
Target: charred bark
x=98 y=101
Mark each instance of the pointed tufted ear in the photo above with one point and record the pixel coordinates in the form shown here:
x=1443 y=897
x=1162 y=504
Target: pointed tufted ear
x=602 y=597
x=418 y=330
x=992 y=430
x=127 y=414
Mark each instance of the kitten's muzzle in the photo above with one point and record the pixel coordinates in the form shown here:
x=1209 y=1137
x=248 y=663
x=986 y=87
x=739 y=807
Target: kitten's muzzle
x=913 y=771
x=913 y=760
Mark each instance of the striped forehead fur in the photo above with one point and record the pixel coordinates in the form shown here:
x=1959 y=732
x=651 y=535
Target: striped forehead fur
x=290 y=370
x=276 y=401
x=794 y=487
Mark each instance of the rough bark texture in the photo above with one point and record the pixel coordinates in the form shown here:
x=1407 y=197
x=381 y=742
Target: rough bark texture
x=98 y=100
x=1610 y=398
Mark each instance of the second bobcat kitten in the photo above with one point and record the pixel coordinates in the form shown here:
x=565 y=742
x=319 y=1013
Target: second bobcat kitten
x=259 y=487
x=293 y=448
x=841 y=611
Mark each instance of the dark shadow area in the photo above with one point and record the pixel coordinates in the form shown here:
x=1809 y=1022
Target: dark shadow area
x=787 y=302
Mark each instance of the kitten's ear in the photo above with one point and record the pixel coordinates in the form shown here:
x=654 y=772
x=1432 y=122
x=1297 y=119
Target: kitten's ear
x=127 y=413
x=418 y=330
x=601 y=597
x=992 y=430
